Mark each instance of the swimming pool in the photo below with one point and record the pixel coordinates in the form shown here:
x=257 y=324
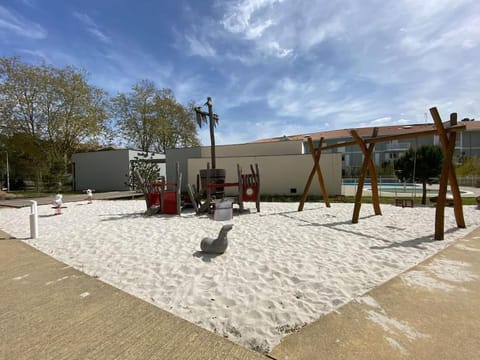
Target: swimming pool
x=394 y=188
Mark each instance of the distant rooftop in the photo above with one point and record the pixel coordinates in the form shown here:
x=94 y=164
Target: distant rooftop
x=367 y=131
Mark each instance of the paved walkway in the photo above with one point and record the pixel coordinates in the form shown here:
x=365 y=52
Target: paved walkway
x=430 y=312
x=51 y=311
x=45 y=200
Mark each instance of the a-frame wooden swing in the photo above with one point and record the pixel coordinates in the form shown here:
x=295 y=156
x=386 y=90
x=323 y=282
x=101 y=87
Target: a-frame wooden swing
x=447 y=135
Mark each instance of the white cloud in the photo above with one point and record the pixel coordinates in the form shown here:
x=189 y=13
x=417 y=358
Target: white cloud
x=113 y=68
x=426 y=9
x=281 y=28
x=275 y=49
x=256 y=31
x=126 y=64
x=199 y=47
x=48 y=56
x=350 y=63
x=92 y=27
x=84 y=18
x=99 y=35
x=256 y=21
x=240 y=17
x=17 y=24
x=259 y=31
x=387 y=120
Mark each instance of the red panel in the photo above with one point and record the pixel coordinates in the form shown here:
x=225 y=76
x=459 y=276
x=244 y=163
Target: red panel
x=249 y=192
x=153 y=199
x=170 y=203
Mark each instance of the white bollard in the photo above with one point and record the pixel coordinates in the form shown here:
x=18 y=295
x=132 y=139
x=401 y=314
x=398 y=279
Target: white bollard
x=33 y=220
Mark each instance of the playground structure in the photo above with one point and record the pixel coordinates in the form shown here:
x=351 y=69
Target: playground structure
x=162 y=197
x=216 y=245
x=447 y=135
x=248 y=185
x=89 y=193
x=57 y=204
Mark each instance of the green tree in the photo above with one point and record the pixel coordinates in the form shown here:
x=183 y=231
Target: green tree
x=56 y=109
x=147 y=166
x=420 y=165
x=176 y=126
x=75 y=112
x=20 y=96
x=152 y=120
x=470 y=166
x=27 y=159
x=135 y=114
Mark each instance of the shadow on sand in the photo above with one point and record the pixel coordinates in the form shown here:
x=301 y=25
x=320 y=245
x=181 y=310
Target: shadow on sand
x=205 y=256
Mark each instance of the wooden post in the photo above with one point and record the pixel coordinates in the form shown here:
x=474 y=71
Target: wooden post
x=316 y=168
x=366 y=164
x=371 y=168
x=452 y=178
x=207 y=182
x=321 y=182
x=448 y=173
x=240 y=187
x=256 y=173
x=162 y=196
x=178 y=189
x=312 y=173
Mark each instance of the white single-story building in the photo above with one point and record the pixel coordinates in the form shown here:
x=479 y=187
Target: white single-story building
x=108 y=170
x=284 y=166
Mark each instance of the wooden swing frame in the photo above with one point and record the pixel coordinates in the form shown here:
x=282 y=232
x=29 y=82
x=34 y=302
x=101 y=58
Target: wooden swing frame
x=447 y=135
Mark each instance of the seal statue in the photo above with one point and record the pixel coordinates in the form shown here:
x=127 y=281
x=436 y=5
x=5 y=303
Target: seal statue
x=218 y=245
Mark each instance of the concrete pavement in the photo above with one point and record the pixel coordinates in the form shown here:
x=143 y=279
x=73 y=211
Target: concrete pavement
x=45 y=200
x=431 y=311
x=51 y=311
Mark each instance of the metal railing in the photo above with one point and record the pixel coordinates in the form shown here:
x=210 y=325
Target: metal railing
x=472 y=180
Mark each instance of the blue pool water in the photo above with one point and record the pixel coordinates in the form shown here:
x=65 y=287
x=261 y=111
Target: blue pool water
x=393 y=187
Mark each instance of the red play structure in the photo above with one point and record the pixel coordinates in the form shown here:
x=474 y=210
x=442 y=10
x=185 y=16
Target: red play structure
x=248 y=186
x=162 y=197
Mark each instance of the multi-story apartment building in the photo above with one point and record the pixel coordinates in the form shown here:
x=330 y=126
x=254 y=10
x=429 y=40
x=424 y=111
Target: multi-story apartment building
x=467 y=143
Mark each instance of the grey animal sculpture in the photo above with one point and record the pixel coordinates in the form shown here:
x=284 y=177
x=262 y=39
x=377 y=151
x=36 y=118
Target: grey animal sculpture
x=218 y=245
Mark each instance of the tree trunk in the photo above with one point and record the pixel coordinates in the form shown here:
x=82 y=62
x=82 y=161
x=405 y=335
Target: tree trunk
x=424 y=192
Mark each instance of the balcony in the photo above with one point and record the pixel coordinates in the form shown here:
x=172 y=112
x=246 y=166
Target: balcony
x=397 y=146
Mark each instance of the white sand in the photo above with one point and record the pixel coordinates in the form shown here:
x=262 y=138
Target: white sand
x=282 y=269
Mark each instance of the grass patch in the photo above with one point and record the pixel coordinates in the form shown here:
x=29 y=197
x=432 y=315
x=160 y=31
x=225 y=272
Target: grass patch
x=351 y=199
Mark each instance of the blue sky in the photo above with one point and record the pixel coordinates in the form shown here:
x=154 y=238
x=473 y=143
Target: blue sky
x=272 y=67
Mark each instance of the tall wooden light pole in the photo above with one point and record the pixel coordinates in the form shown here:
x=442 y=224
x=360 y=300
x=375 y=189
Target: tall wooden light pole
x=213 y=121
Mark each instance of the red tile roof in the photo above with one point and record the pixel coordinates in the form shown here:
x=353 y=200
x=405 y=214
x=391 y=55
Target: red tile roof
x=367 y=131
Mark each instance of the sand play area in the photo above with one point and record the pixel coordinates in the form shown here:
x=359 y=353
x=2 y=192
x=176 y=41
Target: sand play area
x=283 y=269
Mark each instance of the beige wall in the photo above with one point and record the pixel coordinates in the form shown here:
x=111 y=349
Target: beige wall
x=183 y=155
x=280 y=173
x=252 y=149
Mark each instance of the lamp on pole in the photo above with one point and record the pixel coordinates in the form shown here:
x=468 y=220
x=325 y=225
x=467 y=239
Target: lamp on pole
x=8 y=173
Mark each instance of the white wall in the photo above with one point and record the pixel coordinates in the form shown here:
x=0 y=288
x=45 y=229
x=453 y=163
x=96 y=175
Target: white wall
x=181 y=156
x=104 y=170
